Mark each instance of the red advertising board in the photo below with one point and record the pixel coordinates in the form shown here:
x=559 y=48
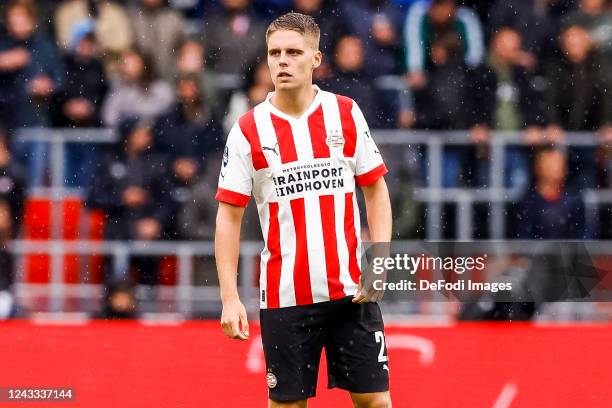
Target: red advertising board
x=128 y=364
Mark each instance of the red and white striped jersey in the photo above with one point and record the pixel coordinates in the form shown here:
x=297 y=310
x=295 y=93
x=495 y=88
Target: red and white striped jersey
x=302 y=173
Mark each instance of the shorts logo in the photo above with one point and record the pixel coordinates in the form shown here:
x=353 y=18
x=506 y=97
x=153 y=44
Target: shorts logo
x=335 y=138
x=271 y=380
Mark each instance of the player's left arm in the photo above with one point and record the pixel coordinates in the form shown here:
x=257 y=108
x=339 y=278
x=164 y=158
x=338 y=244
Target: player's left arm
x=369 y=174
x=378 y=210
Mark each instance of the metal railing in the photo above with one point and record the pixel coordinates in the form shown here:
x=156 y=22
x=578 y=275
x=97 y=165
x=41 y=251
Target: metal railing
x=186 y=293
x=433 y=195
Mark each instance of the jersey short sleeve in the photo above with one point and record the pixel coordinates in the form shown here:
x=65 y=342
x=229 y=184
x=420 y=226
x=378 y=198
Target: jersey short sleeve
x=369 y=163
x=236 y=176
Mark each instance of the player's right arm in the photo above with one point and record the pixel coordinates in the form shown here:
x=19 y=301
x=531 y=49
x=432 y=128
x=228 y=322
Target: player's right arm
x=233 y=194
x=227 y=246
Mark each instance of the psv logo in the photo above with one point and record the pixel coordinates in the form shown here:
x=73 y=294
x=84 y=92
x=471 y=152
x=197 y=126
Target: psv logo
x=335 y=138
x=271 y=380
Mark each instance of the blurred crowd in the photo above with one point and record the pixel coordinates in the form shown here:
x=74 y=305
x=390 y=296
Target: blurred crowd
x=171 y=76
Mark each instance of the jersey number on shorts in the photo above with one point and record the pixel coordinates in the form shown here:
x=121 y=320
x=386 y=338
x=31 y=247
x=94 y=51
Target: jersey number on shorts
x=380 y=338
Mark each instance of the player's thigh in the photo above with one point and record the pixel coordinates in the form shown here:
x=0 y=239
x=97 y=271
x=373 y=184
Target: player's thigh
x=371 y=399
x=292 y=341
x=287 y=404
x=356 y=350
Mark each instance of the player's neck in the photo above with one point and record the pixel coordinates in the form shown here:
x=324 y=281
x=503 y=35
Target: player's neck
x=294 y=102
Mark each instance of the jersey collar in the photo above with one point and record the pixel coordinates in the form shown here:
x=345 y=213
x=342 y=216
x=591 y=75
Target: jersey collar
x=313 y=105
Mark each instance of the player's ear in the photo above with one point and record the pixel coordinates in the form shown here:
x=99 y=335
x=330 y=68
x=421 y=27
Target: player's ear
x=317 y=58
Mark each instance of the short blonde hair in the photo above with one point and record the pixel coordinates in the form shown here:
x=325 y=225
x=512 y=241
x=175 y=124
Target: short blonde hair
x=301 y=23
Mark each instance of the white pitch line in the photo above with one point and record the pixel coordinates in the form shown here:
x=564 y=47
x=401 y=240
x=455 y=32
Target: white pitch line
x=506 y=396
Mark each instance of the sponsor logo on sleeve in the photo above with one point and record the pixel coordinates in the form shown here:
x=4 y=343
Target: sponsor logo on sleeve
x=225 y=156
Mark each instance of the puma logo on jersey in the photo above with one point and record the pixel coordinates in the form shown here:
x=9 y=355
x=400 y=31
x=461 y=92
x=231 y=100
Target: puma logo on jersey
x=271 y=148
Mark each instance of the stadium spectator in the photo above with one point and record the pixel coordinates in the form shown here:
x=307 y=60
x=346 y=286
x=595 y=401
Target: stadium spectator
x=537 y=20
x=191 y=136
x=30 y=72
x=44 y=11
x=333 y=27
x=157 y=30
x=430 y=22
x=257 y=85
x=119 y=302
x=190 y=61
x=113 y=29
x=131 y=185
x=378 y=24
x=233 y=37
x=79 y=102
x=12 y=197
x=138 y=92
x=578 y=98
x=596 y=17
x=350 y=79
x=226 y=33
x=505 y=96
x=443 y=104
x=552 y=210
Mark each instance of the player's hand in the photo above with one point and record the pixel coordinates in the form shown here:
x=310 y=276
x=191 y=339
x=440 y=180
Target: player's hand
x=554 y=134
x=367 y=295
x=148 y=229
x=41 y=86
x=234 y=320
x=416 y=80
x=533 y=135
x=14 y=59
x=605 y=135
x=78 y=109
x=480 y=134
x=134 y=197
x=369 y=278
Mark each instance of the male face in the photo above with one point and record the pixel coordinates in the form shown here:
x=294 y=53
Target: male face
x=188 y=91
x=551 y=167
x=442 y=12
x=349 y=54
x=506 y=44
x=132 y=66
x=291 y=59
x=576 y=43
x=19 y=23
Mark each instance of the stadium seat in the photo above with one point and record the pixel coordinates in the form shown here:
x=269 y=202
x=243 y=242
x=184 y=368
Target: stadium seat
x=37 y=226
x=167 y=270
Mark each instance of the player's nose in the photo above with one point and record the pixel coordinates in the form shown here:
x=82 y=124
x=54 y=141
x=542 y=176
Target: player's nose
x=283 y=58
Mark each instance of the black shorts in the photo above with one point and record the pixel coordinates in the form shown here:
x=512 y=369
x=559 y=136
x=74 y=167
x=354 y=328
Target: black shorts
x=352 y=335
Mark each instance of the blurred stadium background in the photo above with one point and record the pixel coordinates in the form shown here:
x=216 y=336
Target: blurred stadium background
x=494 y=118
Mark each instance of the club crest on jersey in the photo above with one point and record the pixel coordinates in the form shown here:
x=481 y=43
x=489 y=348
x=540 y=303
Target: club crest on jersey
x=335 y=138
x=271 y=380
